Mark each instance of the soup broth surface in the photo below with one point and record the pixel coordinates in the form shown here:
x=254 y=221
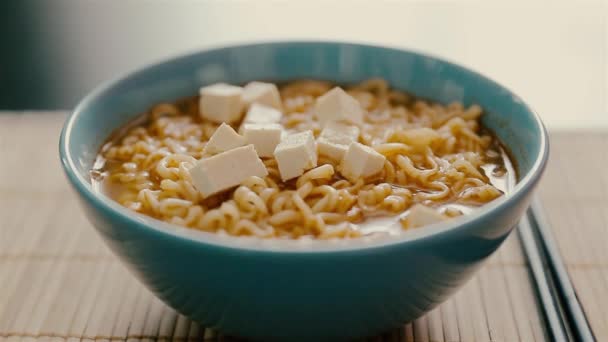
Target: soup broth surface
x=437 y=156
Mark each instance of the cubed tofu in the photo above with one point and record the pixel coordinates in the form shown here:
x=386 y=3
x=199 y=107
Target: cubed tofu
x=421 y=215
x=226 y=170
x=223 y=139
x=337 y=105
x=295 y=154
x=221 y=103
x=264 y=136
x=335 y=139
x=361 y=161
x=259 y=113
x=263 y=93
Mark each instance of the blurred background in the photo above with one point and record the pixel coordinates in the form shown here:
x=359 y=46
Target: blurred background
x=553 y=53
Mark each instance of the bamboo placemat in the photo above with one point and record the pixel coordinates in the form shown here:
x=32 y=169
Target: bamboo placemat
x=58 y=281
x=575 y=200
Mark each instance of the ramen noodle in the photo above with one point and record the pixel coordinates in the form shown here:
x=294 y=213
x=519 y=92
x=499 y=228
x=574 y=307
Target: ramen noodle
x=427 y=162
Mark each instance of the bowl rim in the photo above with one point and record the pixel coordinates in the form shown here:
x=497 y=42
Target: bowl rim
x=146 y=224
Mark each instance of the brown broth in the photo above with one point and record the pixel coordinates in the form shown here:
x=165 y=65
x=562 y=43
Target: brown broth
x=497 y=167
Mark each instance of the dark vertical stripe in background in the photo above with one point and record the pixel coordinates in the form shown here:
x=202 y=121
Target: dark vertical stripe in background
x=24 y=57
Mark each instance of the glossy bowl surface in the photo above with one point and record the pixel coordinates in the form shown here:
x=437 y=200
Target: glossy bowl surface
x=313 y=290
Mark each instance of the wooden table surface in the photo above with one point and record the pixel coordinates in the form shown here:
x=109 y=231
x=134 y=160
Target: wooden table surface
x=59 y=282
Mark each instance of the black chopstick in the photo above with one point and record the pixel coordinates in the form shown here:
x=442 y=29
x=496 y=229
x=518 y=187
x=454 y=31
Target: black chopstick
x=553 y=315
x=576 y=319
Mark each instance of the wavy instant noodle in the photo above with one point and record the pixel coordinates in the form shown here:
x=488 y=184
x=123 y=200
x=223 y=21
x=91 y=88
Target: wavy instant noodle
x=436 y=155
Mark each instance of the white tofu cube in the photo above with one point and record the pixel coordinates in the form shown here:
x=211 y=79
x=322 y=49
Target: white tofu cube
x=295 y=154
x=258 y=113
x=223 y=139
x=335 y=139
x=226 y=170
x=263 y=93
x=361 y=161
x=337 y=105
x=421 y=215
x=221 y=103
x=264 y=136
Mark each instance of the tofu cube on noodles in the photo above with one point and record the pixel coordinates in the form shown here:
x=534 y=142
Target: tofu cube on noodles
x=259 y=113
x=264 y=136
x=361 y=161
x=337 y=105
x=335 y=139
x=223 y=139
x=421 y=215
x=295 y=154
x=263 y=93
x=221 y=103
x=226 y=170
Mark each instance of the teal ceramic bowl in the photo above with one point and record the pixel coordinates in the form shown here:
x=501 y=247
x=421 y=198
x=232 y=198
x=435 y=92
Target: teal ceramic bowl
x=312 y=290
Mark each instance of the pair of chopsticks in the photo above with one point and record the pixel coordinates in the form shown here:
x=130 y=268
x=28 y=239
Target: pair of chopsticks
x=563 y=313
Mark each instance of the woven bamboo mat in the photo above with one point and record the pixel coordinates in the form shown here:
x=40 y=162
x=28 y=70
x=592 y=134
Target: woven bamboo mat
x=575 y=198
x=58 y=281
